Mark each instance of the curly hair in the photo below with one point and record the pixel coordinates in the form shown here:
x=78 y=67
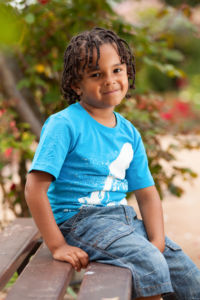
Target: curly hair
x=79 y=55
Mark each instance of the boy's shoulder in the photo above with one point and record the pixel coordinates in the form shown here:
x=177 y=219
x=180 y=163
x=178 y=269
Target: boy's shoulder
x=127 y=124
x=64 y=120
x=67 y=113
x=70 y=116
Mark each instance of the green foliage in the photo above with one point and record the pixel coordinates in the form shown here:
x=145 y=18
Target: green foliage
x=12 y=280
x=10 y=26
x=180 y=2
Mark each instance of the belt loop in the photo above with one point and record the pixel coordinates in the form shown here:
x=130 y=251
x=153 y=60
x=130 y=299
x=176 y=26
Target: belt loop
x=127 y=214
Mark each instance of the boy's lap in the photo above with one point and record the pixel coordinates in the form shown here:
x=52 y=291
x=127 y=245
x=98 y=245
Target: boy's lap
x=112 y=236
x=116 y=238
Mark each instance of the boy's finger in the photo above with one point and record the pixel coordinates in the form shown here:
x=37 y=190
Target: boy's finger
x=77 y=262
x=70 y=260
x=83 y=257
x=84 y=261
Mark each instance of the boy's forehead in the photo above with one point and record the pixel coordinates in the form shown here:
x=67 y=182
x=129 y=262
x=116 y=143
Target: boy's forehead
x=94 y=63
x=104 y=46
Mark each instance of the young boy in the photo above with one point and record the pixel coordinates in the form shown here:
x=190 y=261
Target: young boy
x=88 y=158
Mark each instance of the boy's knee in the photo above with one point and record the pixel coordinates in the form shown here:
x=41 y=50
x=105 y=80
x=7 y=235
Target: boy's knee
x=156 y=266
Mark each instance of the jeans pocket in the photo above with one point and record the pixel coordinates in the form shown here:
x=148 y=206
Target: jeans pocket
x=171 y=245
x=100 y=232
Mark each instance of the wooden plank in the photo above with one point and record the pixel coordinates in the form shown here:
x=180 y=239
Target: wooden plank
x=42 y=278
x=103 y=282
x=16 y=242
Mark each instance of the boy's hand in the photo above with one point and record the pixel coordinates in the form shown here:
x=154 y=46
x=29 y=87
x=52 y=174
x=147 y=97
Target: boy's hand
x=74 y=255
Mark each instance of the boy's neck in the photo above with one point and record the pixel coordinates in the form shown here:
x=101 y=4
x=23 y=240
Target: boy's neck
x=104 y=116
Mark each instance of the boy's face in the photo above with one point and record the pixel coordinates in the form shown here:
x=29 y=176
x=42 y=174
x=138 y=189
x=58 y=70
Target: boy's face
x=107 y=85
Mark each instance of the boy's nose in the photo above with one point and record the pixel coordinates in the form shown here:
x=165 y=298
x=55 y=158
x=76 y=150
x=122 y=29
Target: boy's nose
x=109 y=80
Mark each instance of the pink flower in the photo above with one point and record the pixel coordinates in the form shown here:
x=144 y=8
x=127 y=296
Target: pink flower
x=183 y=108
x=12 y=124
x=2 y=111
x=8 y=152
x=166 y=115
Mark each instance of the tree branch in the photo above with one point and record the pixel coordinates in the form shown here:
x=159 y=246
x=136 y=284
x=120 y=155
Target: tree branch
x=18 y=101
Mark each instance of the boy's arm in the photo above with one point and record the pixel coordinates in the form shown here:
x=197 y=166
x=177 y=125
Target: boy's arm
x=152 y=214
x=36 y=196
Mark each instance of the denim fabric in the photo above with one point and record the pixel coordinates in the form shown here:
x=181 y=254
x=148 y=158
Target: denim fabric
x=114 y=235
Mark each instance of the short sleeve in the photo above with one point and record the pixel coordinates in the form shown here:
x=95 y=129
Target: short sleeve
x=53 y=146
x=138 y=174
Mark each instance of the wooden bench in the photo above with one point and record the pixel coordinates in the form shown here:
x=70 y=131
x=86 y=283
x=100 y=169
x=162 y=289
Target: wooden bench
x=42 y=277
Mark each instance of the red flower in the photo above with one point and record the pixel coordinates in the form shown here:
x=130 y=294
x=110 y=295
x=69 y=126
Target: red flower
x=141 y=105
x=12 y=124
x=183 y=108
x=2 y=111
x=181 y=82
x=43 y=2
x=8 y=152
x=12 y=187
x=166 y=115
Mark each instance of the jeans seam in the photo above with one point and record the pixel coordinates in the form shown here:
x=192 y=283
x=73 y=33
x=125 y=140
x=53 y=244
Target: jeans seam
x=93 y=246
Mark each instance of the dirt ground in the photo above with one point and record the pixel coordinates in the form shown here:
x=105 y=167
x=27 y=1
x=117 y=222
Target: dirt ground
x=182 y=216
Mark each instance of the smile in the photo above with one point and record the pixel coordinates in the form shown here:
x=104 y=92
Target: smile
x=110 y=92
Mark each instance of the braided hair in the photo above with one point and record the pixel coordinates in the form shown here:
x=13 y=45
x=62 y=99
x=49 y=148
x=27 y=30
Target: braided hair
x=79 y=55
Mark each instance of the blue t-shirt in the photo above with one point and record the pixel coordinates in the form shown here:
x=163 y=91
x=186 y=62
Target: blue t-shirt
x=91 y=164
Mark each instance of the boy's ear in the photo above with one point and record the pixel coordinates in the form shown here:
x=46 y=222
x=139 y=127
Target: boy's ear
x=76 y=89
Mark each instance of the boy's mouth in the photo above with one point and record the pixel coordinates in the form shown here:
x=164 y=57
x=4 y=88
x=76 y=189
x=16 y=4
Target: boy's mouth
x=110 y=92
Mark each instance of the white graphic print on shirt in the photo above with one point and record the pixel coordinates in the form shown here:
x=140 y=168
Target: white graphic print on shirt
x=113 y=182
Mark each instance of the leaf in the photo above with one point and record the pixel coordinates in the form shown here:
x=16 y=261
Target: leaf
x=174 y=55
x=51 y=96
x=23 y=83
x=29 y=18
x=175 y=190
x=10 y=25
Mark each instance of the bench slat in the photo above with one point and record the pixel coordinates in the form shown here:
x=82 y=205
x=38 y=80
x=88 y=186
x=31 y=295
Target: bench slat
x=103 y=281
x=16 y=242
x=42 y=278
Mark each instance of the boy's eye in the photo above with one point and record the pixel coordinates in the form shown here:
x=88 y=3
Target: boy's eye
x=117 y=70
x=95 y=75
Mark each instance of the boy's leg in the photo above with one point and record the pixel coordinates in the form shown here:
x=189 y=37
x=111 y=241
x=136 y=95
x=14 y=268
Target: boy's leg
x=185 y=276
x=109 y=237
x=149 y=268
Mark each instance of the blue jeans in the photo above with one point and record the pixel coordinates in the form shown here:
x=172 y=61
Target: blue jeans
x=114 y=235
